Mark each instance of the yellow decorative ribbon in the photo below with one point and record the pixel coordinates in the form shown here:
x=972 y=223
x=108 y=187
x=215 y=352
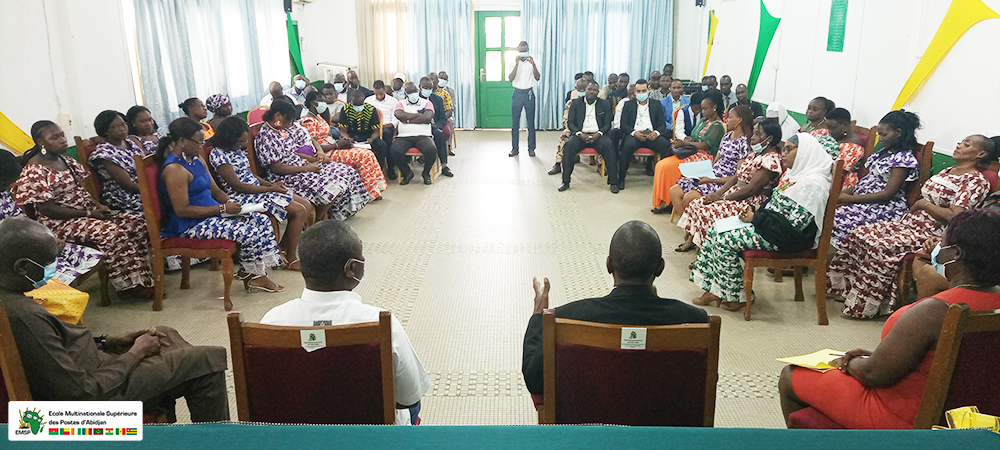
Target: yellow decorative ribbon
x=13 y=137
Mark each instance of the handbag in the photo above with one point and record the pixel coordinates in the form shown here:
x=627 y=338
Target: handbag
x=685 y=151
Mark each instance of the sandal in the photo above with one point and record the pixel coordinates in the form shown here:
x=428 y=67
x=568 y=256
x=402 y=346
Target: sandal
x=295 y=263
x=713 y=299
x=252 y=288
x=685 y=247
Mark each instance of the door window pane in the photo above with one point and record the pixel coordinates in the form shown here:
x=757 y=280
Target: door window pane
x=493 y=38
x=512 y=31
x=494 y=66
x=509 y=57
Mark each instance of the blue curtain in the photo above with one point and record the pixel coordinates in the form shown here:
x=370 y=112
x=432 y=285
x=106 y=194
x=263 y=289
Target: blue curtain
x=441 y=39
x=603 y=36
x=196 y=48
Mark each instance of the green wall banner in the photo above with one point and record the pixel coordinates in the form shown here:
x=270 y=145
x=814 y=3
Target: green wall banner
x=294 y=53
x=768 y=26
x=838 y=23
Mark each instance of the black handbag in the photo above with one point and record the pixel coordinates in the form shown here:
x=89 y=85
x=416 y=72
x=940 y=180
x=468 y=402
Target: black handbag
x=685 y=151
x=777 y=230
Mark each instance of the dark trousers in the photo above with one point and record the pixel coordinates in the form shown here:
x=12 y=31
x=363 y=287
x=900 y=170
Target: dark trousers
x=630 y=144
x=206 y=397
x=603 y=146
x=441 y=143
x=522 y=99
x=379 y=147
x=400 y=145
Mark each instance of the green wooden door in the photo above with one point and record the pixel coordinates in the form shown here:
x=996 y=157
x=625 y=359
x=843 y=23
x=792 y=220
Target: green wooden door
x=497 y=36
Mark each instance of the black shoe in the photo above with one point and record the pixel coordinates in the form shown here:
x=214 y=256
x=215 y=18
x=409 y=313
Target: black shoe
x=427 y=178
x=665 y=210
x=512 y=153
x=650 y=171
x=556 y=168
x=391 y=174
x=621 y=185
x=420 y=160
x=531 y=152
x=451 y=153
x=614 y=189
x=447 y=172
x=563 y=187
x=406 y=178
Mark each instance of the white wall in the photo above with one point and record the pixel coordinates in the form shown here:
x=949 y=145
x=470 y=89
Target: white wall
x=63 y=57
x=328 y=32
x=883 y=42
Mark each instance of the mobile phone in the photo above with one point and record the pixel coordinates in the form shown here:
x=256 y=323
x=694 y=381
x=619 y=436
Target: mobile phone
x=647 y=131
x=112 y=213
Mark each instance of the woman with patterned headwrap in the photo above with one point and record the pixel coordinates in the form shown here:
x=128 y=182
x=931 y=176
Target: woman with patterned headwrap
x=221 y=106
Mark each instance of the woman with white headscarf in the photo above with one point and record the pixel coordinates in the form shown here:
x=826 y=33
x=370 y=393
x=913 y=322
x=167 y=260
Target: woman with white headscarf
x=789 y=222
x=777 y=111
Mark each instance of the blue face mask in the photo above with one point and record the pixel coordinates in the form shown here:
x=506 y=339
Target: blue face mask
x=300 y=84
x=339 y=87
x=413 y=98
x=321 y=107
x=939 y=266
x=49 y=272
x=642 y=97
x=425 y=92
x=704 y=87
x=359 y=108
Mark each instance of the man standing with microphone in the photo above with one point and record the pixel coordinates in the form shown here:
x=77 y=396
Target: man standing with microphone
x=523 y=76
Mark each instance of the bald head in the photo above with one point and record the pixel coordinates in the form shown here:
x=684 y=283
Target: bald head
x=324 y=250
x=275 y=89
x=636 y=254
x=23 y=240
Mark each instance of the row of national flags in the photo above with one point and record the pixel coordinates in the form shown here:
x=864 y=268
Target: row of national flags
x=92 y=431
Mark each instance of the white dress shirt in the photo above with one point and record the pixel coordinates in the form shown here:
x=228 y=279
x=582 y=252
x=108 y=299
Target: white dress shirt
x=343 y=308
x=524 y=78
x=618 y=113
x=385 y=106
x=590 y=119
x=642 y=121
x=412 y=129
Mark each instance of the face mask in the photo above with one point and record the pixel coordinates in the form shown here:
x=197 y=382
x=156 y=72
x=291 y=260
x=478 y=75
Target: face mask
x=938 y=266
x=704 y=88
x=300 y=84
x=442 y=83
x=359 y=108
x=321 y=107
x=581 y=91
x=757 y=148
x=523 y=54
x=413 y=98
x=49 y=272
x=425 y=92
x=642 y=97
x=362 y=265
x=339 y=87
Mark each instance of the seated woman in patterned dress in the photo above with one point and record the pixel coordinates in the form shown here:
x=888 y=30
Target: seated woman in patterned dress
x=816 y=112
x=196 y=110
x=50 y=189
x=755 y=177
x=789 y=222
x=230 y=161
x=367 y=162
x=852 y=147
x=880 y=195
x=141 y=125
x=705 y=136
x=334 y=188
x=883 y=388
x=194 y=204
x=112 y=162
x=863 y=271
x=74 y=260
x=734 y=147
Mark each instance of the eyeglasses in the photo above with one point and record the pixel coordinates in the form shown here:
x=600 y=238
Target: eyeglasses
x=201 y=142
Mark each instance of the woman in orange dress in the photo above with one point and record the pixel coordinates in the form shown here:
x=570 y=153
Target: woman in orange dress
x=883 y=388
x=705 y=137
x=852 y=148
x=195 y=109
x=343 y=151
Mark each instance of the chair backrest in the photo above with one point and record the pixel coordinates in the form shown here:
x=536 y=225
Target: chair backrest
x=84 y=147
x=589 y=378
x=869 y=135
x=11 y=372
x=256 y=115
x=831 y=210
x=965 y=367
x=350 y=381
x=148 y=174
x=926 y=158
x=251 y=153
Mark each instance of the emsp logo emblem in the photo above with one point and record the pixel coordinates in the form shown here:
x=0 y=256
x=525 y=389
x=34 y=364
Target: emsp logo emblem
x=30 y=421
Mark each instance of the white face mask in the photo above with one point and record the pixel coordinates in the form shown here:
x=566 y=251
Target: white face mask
x=442 y=82
x=362 y=268
x=321 y=107
x=426 y=92
x=413 y=98
x=523 y=54
x=359 y=108
x=339 y=87
x=300 y=84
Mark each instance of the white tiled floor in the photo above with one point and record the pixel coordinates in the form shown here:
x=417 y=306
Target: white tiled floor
x=454 y=262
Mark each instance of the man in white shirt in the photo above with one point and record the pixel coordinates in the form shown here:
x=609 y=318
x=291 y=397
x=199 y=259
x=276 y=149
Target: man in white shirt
x=688 y=116
x=523 y=76
x=386 y=104
x=340 y=86
x=274 y=91
x=412 y=118
x=332 y=265
x=397 y=86
x=642 y=125
x=297 y=91
x=589 y=122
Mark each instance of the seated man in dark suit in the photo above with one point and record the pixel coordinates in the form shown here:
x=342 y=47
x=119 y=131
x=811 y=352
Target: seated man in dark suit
x=635 y=261
x=643 y=125
x=589 y=123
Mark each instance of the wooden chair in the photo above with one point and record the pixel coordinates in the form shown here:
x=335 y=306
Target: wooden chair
x=965 y=366
x=414 y=153
x=223 y=249
x=15 y=382
x=815 y=258
x=593 y=152
x=589 y=378
x=350 y=381
x=256 y=115
x=869 y=135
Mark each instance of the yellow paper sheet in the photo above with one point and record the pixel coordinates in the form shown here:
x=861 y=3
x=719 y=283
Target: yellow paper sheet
x=818 y=361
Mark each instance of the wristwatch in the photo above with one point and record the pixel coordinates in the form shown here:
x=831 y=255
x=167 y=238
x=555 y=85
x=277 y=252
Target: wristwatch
x=101 y=341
